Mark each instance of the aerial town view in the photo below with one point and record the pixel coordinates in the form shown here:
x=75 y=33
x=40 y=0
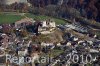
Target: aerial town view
x=49 y=32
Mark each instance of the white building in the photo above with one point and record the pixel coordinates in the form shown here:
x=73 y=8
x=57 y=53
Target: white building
x=44 y=24
x=47 y=44
x=49 y=23
x=52 y=24
x=22 y=52
x=47 y=27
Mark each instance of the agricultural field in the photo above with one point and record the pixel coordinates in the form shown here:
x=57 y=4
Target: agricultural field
x=13 y=17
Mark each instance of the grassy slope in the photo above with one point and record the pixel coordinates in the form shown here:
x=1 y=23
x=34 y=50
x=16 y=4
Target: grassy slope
x=9 y=18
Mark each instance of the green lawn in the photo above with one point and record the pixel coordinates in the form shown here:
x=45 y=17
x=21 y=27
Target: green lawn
x=10 y=18
x=42 y=17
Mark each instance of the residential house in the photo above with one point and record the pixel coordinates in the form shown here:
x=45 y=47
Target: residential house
x=5 y=40
x=2 y=53
x=23 y=52
x=24 y=22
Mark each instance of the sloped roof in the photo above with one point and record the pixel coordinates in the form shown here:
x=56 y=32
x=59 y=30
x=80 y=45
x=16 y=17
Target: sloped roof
x=25 y=20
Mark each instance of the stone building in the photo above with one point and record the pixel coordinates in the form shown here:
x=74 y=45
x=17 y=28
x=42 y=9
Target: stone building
x=49 y=23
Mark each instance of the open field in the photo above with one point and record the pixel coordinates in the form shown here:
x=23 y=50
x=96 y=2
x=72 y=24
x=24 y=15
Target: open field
x=7 y=18
x=42 y=17
x=12 y=17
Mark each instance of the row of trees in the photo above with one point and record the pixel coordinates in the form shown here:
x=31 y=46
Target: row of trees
x=56 y=11
x=22 y=7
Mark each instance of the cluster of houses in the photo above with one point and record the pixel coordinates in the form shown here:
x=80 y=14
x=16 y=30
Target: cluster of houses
x=78 y=27
x=74 y=46
x=17 y=45
x=11 y=39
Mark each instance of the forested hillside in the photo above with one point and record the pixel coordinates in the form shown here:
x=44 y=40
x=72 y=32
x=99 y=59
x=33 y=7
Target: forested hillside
x=88 y=8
